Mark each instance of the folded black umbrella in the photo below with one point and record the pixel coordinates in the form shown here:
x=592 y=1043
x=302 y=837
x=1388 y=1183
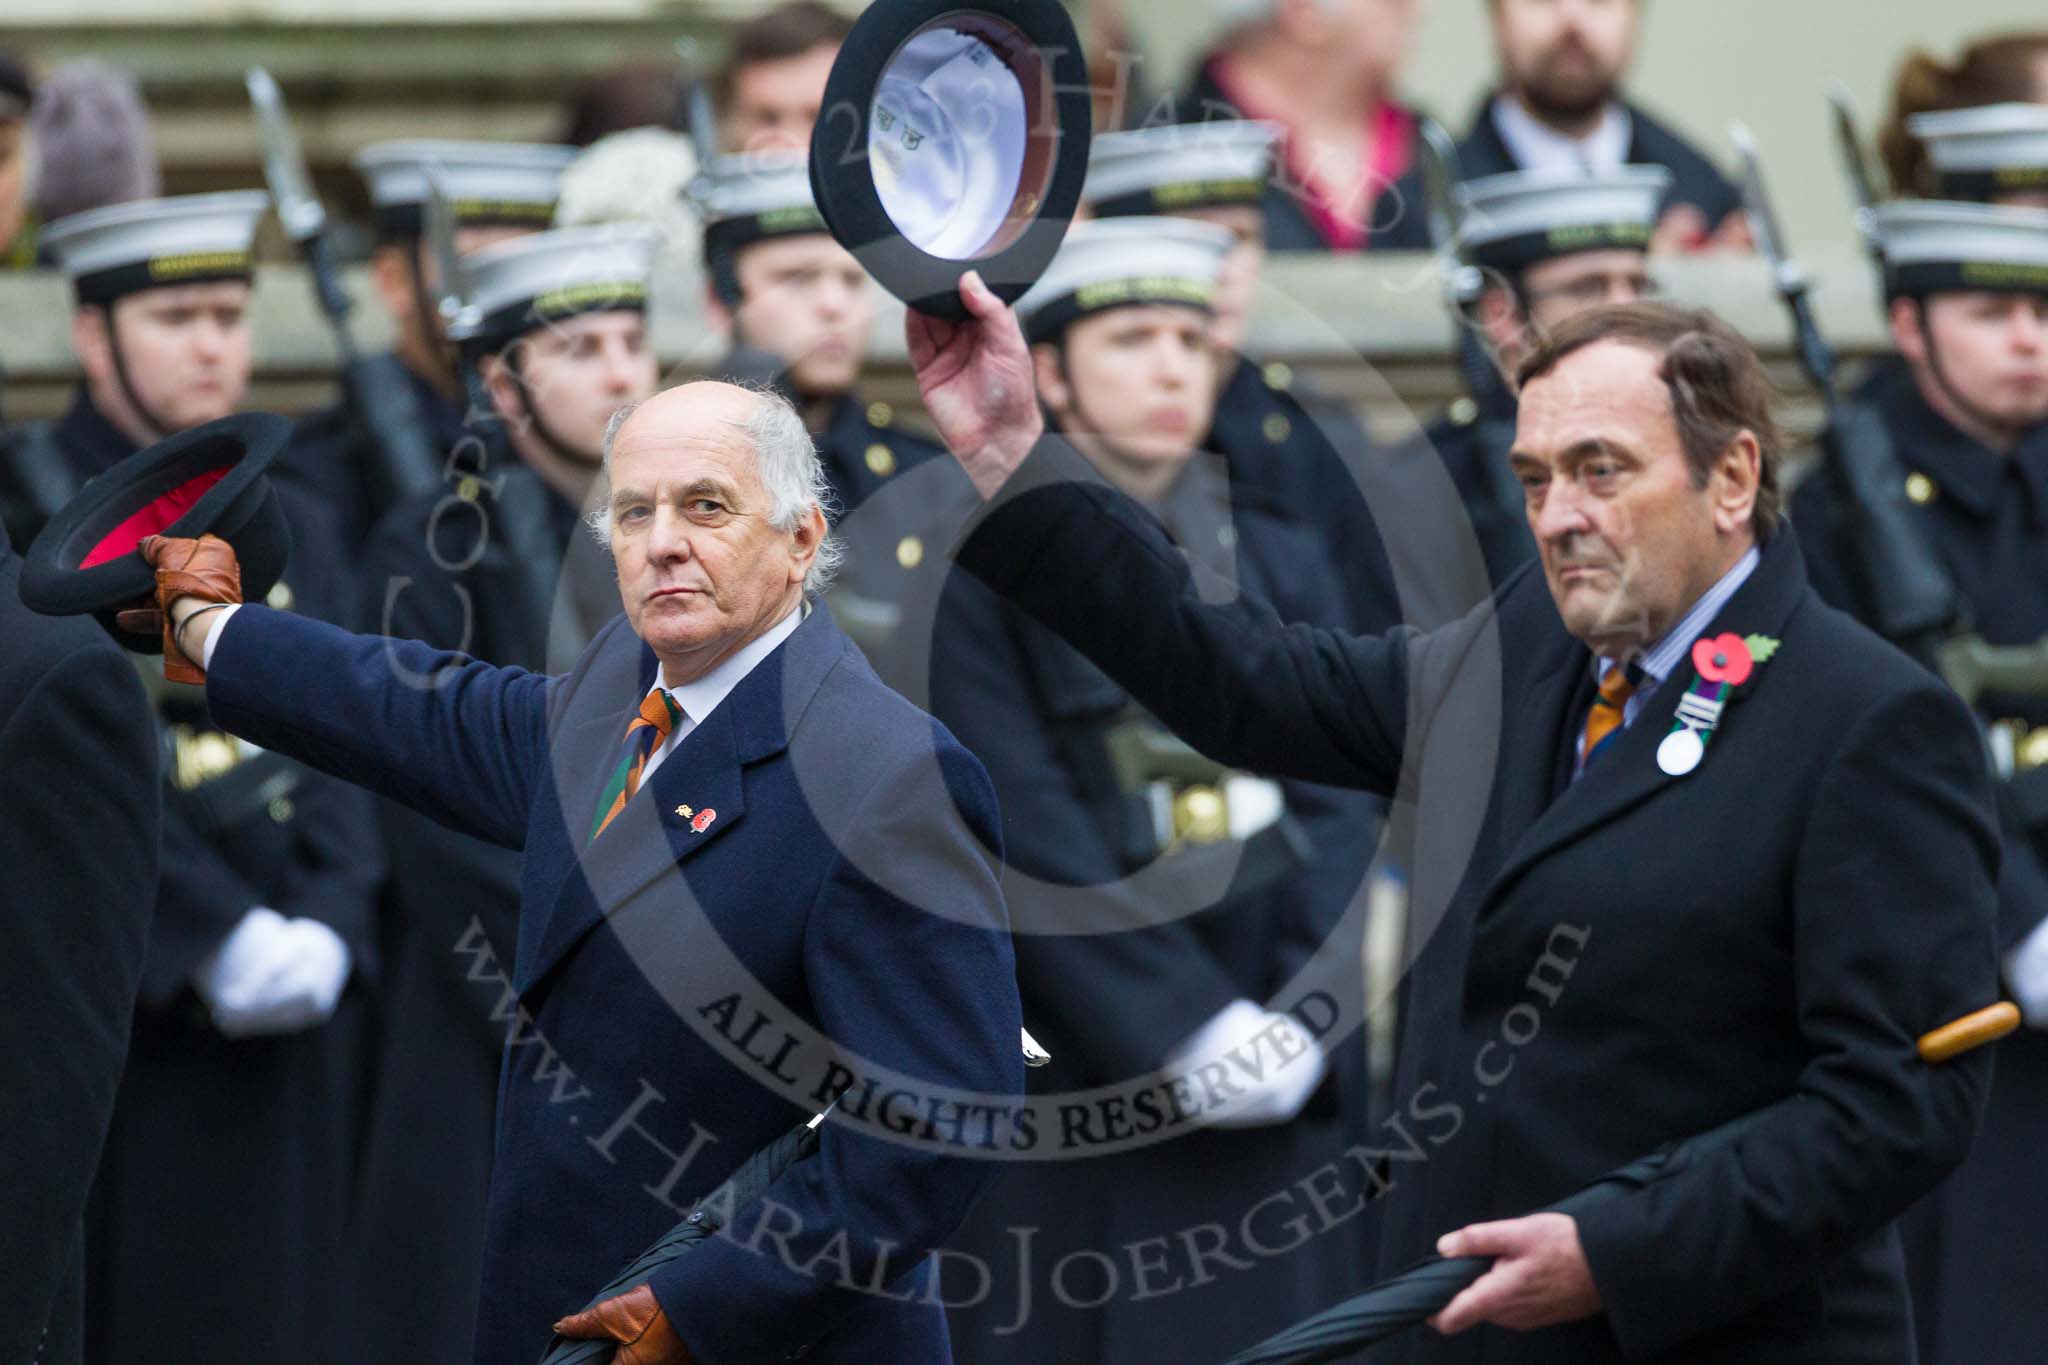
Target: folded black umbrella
x=740 y=1189
x=1426 y=1288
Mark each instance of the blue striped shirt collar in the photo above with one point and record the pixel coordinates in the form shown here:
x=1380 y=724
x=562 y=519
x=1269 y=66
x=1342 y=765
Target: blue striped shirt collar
x=1660 y=659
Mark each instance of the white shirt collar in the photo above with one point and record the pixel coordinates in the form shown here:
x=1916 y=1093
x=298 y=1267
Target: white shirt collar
x=700 y=698
x=1536 y=146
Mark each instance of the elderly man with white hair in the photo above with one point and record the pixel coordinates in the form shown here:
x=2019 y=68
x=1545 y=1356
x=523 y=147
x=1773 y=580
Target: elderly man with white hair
x=755 y=880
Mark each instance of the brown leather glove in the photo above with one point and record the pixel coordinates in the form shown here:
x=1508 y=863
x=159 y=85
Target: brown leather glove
x=204 y=569
x=633 y=1319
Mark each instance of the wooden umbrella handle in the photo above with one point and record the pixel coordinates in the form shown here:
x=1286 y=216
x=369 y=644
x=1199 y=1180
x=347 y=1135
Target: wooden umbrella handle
x=1973 y=1030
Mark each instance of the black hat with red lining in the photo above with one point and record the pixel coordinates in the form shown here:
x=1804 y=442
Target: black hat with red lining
x=205 y=479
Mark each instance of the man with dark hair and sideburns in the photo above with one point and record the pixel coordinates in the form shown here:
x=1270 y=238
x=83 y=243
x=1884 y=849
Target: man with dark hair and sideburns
x=1767 y=834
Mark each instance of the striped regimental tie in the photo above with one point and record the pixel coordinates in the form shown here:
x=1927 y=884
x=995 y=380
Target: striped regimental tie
x=656 y=721
x=1609 y=709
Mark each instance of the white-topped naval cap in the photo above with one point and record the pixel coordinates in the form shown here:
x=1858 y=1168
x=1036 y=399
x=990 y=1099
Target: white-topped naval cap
x=1988 y=150
x=152 y=243
x=1931 y=245
x=546 y=276
x=1115 y=262
x=1521 y=217
x=769 y=190
x=513 y=183
x=1178 y=166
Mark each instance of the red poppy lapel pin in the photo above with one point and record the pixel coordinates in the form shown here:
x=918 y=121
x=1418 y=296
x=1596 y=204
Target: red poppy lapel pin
x=701 y=821
x=1721 y=665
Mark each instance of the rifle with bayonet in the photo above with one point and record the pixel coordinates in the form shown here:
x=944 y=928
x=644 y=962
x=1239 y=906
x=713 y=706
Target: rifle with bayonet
x=1855 y=171
x=1914 y=604
x=382 y=410
x=1503 y=508
x=488 y=474
x=742 y=363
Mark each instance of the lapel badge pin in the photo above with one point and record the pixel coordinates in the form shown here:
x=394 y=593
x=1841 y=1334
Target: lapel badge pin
x=684 y=812
x=702 y=820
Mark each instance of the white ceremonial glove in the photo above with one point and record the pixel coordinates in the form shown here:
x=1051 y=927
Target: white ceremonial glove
x=1277 y=1063
x=273 y=975
x=2026 y=971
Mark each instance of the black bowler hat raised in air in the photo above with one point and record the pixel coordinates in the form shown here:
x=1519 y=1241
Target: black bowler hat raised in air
x=953 y=138
x=206 y=479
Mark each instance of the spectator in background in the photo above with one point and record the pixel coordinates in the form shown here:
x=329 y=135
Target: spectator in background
x=94 y=144
x=635 y=95
x=1325 y=70
x=17 y=165
x=1559 y=106
x=2012 y=69
x=772 y=83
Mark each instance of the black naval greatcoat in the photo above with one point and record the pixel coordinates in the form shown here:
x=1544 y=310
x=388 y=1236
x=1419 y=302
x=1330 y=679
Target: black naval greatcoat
x=512 y=578
x=1974 y=1243
x=1112 y=1007
x=329 y=468
x=1624 y=962
x=1470 y=441
x=898 y=502
x=224 y=1178
x=79 y=819
x=1695 y=180
x=1313 y=461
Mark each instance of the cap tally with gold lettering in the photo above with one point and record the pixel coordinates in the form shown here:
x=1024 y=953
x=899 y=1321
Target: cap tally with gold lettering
x=1119 y=262
x=1178 y=167
x=108 y=253
x=1932 y=246
x=544 y=277
x=1512 y=221
x=1987 y=151
x=953 y=137
x=488 y=184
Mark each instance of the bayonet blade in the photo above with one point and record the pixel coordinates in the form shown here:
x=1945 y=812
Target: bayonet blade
x=1439 y=184
x=1462 y=282
x=451 y=291
x=1855 y=168
x=1763 y=217
x=1849 y=143
x=284 y=165
x=698 y=113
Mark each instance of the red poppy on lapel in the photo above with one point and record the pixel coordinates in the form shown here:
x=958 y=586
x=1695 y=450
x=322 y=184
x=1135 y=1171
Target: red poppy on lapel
x=702 y=820
x=1722 y=659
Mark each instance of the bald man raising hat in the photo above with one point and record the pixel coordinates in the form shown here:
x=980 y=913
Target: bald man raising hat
x=754 y=878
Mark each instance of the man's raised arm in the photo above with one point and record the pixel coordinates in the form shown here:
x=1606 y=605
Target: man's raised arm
x=1221 y=669
x=460 y=741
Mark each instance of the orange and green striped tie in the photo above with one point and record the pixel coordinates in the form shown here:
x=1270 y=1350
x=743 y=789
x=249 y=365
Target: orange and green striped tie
x=657 y=718
x=1605 y=715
